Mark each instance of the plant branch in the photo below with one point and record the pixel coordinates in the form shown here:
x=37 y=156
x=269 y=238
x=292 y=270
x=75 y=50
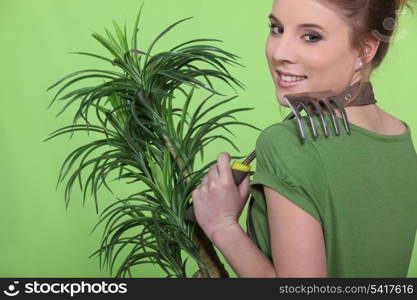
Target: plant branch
x=214 y=267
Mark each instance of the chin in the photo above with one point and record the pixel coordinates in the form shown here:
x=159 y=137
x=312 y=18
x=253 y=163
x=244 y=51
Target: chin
x=283 y=104
x=281 y=101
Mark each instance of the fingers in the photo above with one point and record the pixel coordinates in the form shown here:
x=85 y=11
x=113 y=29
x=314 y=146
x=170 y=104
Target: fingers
x=244 y=187
x=213 y=172
x=223 y=165
x=204 y=181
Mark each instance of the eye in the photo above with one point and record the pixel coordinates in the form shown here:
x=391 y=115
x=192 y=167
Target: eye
x=314 y=37
x=273 y=26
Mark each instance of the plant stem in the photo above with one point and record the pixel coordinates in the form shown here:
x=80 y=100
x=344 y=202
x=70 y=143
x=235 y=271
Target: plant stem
x=215 y=268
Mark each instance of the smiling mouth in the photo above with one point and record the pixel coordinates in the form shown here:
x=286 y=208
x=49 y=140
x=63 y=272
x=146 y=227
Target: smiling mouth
x=290 y=79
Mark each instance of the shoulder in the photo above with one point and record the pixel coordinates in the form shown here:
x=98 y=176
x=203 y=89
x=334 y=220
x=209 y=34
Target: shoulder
x=281 y=151
x=285 y=130
x=283 y=138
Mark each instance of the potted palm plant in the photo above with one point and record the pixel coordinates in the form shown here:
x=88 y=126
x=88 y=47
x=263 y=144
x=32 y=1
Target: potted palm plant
x=144 y=136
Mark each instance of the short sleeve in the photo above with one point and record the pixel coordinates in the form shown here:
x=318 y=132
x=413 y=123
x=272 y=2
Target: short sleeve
x=290 y=167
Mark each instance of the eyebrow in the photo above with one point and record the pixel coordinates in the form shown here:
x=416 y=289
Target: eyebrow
x=271 y=16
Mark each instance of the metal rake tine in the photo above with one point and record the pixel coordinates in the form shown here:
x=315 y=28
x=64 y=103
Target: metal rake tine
x=323 y=119
x=310 y=117
x=344 y=115
x=333 y=114
x=298 y=117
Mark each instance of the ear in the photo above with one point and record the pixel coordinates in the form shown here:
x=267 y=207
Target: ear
x=370 y=46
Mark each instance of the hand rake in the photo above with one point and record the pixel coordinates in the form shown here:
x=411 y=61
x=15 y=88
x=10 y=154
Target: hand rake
x=312 y=103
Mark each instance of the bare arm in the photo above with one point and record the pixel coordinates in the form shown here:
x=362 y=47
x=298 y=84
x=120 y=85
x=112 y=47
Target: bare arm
x=297 y=242
x=242 y=254
x=218 y=204
x=296 y=237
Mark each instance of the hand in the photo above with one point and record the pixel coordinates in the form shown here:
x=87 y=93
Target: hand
x=217 y=201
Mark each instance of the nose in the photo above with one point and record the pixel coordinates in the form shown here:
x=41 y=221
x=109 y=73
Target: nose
x=283 y=49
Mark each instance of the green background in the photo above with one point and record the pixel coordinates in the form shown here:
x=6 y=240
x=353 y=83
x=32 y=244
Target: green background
x=38 y=237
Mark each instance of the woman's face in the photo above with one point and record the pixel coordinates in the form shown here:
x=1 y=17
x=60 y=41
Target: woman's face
x=322 y=55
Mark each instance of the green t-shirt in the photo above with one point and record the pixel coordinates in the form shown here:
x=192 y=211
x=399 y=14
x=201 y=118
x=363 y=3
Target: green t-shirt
x=361 y=187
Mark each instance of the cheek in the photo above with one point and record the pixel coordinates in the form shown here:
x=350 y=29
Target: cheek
x=319 y=60
x=327 y=64
x=269 y=51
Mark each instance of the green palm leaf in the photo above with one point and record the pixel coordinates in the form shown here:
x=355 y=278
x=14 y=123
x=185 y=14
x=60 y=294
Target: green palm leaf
x=141 y=135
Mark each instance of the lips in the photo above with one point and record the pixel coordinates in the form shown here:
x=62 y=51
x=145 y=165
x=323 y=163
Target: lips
x=289 y=74
x=287 y=84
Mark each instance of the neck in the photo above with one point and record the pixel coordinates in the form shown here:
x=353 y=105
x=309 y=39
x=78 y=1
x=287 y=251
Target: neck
x=365 y=114
x=373 y=118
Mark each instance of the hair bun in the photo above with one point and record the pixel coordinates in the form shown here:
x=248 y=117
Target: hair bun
x=400 y=4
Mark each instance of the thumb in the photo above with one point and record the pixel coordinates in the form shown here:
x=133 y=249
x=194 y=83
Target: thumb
x=244 y=187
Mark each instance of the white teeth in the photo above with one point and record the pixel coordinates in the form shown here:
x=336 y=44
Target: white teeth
x=291 y=78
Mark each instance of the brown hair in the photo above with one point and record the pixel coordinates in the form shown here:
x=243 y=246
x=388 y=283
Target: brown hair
x=370 y=18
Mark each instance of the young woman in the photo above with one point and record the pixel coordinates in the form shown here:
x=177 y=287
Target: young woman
x=343 y=206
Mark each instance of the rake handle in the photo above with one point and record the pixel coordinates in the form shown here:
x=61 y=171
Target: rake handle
x=238 y=176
